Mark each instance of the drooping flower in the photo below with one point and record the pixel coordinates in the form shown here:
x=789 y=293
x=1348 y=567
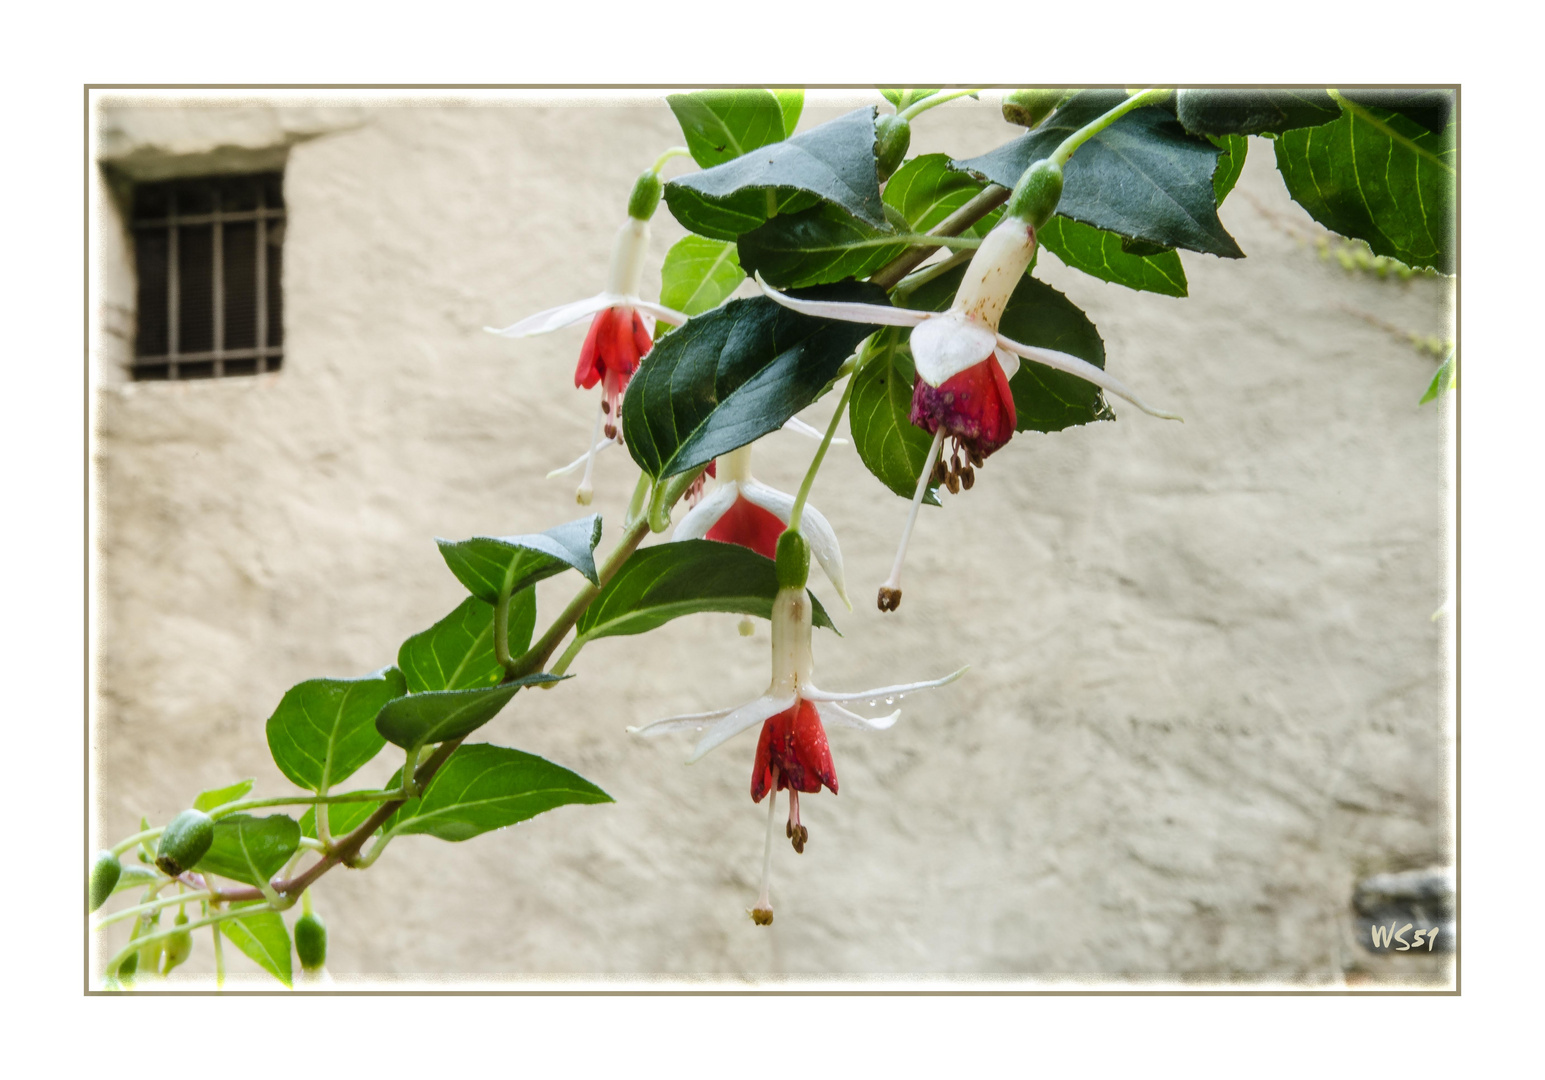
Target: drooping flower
x=793 y=753
x=619 y=337
x=964 y=366
x=743 y=510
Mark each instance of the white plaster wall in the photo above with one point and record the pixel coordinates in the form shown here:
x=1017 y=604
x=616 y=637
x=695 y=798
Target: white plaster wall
x=1206 y=695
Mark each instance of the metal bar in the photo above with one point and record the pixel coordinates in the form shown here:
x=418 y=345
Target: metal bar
x=228 y=354
x=262 y=282
x=229 y=216
x=217 y=248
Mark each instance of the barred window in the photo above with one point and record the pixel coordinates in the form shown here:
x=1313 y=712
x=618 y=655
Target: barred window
x=207 y=252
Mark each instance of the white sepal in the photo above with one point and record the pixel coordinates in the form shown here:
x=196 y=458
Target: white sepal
x=706 y=514
x=1007 y=361
x=830 y=711
x=659 y=311
x=799 y=427
x=684 y=722
x=574 y=465
x=747 y=716
x=948 y=344
x=875 y=314
x=544 y=322
x=1060 y=361
x=815 y=693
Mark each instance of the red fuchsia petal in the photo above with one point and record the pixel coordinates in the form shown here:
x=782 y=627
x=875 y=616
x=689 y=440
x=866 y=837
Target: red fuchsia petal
x=713 y=469
x=793 y=753
x=588 y=373
x=975 y=407
x=642 y=342
x=748 y=525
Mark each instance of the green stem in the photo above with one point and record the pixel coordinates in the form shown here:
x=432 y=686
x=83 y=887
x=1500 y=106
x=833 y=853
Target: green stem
x=562 y=666
x=154 y=905
x=139 y=943
x=501 y=629
x=301 y=800
x=637 y=503
x=219 y=959
x=673 y=152
x=124 y=845
x=1071 y=144
x=912 y=282
x=797 y=514
x=990 y=198
x=917 y=108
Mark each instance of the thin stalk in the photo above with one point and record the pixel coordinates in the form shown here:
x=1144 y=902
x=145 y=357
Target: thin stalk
x=219 y=959
x=990 y=198
x=501 y=628
x=639 y=500
x=154 y=905
x=919 y=107
x=912 y=282
x=139 y=943
x=124 y=845
x=301 y=800
x=1070 y=144
x=673 y=152
x=796 y=514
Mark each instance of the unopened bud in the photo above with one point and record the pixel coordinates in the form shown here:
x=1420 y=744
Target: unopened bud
x=892 y=138
x=104 y=876
x=793 y=560
x=178 y=947
x=646 y=195
x=1035 y=197
x=890 y=599
x=311 y=942
x=184 y=842
x=1027 y=108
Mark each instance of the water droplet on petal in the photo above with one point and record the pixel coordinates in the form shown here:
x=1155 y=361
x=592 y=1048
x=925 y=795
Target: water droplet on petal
x=872 y=704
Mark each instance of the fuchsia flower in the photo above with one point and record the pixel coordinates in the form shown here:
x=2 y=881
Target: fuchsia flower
x=743 y=510
x=964 y=366
x=792 y=753
x=619 y=338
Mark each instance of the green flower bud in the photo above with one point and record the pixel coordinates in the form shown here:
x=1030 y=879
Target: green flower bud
x=646 y=195
x=793 y=560
x=1027 y=108
x=1035 y=197
x=184 y=842
x=892 y=137
x=104 y=875
x=178 y=947
x=311 y=942
x=129 y=966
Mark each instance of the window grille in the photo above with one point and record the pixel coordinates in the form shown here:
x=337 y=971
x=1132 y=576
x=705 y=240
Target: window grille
x=208 y=255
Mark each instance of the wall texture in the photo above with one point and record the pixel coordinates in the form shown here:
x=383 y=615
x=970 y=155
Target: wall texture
x=1206 y=692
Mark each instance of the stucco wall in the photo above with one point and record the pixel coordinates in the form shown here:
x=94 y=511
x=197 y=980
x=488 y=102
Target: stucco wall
x=1206 y=692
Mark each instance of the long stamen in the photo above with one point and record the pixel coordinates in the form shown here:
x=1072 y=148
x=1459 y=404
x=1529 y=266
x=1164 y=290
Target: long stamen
x=890 y=592
x=796 y=832
x=762 y=914
x=586 y=492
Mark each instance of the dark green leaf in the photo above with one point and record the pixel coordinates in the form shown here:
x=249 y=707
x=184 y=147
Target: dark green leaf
x=1377 y=176
x=1253 y=112
x=483 y=787
x=1143 y=177
x=487 y=564
x=442 y=715
x=732 y=376
x=457 y=653
x=251 y=849
x=667 y=581
x=833 y=162
x=878 y=411
x=1230 y=163
x=720 y=125
x=1102 y=255
x=263 y=937
x=1431 y=109
x=324 y=729
x=208 y=800
x=816 y=246
x=699 y=274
